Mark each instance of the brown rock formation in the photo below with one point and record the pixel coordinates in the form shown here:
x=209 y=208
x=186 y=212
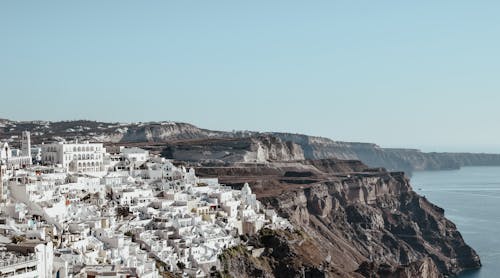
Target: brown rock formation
x=360 y=223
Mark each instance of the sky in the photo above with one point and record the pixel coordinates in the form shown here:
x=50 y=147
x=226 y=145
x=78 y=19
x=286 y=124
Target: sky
x=418 y=74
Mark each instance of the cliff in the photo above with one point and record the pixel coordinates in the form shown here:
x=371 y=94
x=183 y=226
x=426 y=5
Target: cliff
x=224 y=151
x=350 y=222
x=293 y=254
x=407 y=160
x=376 y=219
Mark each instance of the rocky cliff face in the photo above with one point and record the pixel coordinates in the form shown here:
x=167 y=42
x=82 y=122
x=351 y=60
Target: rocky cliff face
x=353 y=222
x=377 y=218
x=226 y=151
x=407 y=160
x=294 y=254
x=418 y=160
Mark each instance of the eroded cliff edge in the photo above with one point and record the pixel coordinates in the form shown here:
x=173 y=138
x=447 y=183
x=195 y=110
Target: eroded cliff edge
x=351 y=222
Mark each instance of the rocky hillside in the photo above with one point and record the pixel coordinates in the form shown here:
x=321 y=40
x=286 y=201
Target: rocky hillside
x=294 y=254
x=312 y=147
x=351 y=221
x=106 y=132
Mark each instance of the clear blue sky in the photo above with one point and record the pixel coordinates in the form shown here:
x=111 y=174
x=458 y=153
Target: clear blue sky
x=399 y=73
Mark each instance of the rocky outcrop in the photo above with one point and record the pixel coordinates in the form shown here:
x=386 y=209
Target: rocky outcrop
x=377 y=218
x=281 y=254
x=224 y=151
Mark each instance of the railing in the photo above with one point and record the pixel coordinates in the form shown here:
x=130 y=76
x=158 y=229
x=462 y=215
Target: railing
x=18 y=261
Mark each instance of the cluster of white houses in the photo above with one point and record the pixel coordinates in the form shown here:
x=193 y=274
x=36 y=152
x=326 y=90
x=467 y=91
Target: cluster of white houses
x=85 y=211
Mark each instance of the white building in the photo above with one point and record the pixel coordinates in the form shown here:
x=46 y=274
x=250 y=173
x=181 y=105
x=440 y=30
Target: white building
x=26 y=144
x=135 y=154
x=27 y=259
x=17 y=265
x=75 y=157
x=14 y=158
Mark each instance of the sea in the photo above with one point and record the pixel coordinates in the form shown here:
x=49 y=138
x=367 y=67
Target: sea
x=471 y=199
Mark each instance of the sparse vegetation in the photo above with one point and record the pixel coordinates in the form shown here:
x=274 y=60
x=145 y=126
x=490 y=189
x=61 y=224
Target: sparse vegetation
x=17 y=239
x=129 y=233
x=267 y=232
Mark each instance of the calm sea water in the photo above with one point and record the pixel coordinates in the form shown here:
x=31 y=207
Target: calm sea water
x=471 y=199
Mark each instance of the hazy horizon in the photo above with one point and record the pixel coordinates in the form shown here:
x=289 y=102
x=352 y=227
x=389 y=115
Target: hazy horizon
x=415 y=75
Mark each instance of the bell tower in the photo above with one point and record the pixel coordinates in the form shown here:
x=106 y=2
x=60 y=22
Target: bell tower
x=26 y=144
